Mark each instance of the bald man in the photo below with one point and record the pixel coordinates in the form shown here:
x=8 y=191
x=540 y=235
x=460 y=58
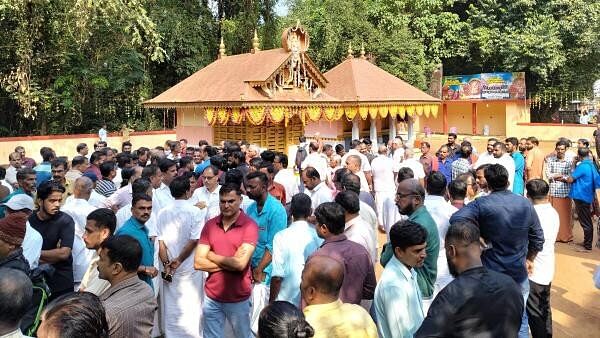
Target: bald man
x=414 y=164
x=354 y=164
x=384 y=171
x=322 y=280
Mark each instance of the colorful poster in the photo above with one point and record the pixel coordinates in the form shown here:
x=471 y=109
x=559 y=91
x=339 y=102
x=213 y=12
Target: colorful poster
x=487 y=86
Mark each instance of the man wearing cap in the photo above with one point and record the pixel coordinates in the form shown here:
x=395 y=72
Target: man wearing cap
x=32 y=243
x=27 y=183
x=12 y=232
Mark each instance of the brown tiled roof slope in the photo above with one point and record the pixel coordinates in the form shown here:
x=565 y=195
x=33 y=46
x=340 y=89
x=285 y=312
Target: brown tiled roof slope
x=357 y=79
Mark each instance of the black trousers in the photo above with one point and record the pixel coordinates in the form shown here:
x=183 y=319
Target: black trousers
x=539 y=312
x=584 y=214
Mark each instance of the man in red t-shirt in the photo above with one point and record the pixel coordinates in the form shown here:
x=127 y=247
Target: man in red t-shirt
x=224 y=250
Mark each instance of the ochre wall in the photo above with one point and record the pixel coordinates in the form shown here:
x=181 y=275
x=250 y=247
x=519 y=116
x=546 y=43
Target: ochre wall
x=459 y=116
x=492 y=114
x=64 y=145
x=193 y=126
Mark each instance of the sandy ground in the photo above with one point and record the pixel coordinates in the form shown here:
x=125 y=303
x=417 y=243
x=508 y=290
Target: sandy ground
x=575 y=300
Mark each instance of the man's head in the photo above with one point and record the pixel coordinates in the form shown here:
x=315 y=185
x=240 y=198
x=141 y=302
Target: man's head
x=462 y=246
x=425 y=147
x=340 y=150
x=58 y=169
x=490 y=145
x=280 y=161
x=107 y=170
x=581 y=143
x=457 y=190
x=21 y=151
x=436 y=183
x=561 y=149
x=496 y=177
x=82 y=149
x=321 y=280
x=512 y=144
x=382 y=150
x=49 y=196
x=480 y=177
x=331 y=219
x=349 y=201
x=230 y=199
x=256 y=185
x=141 y=207
x=141 y=186
x=210 y=177
x=351 y=182
x=267 y=156
x=499 y=150
x=83 y=188
x=126 y=147
x=100 y=225
x=397 y=143
x=300 y=207
x=180 y=188
x=16 y=292
x=451 y=138
x=12 y=232
x=15 y=160
x=532 y=142
x=268 y=169
x=120 y=257
x=153 y=174
x=79 y=163
x=328 y=150
x=465 y=151
x=408 y=240
x=310 y=178
x=537 y=191
x=409 y=196
x=98 y=157
x=523 y=144
x=444 y=152
x=404 y=174
x=47 y=154
x=169 y=170
x=470 y=182
x=583 y=153
x=26 y=180
x=19 y=203
x=353 y=163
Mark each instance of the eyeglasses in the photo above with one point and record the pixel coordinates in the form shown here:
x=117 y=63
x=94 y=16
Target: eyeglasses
x=206 y=178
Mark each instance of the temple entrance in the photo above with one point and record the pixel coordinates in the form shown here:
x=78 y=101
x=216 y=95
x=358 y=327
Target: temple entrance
x=271 y=136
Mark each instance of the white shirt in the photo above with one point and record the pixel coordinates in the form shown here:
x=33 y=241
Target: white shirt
x=95 y=200
x=316 y=161
x=398 y=155
x=364 y=185
x=368 y=215
x=7 y=185
x=320 y=194
x=124 y=214
x=32 y=246
x=210 y=198
x=485 y=158
x=288 y=179
x=102 y=134
x=118 y=179
x=365 y=166
x=79 y=209
x=176 y=225
x=391 y=215
x=543 y=265
x=11 y=174
x=161 y=197
x=415 y=166
x=291 y=248
x=382 y=169
x=441 y=211
x=359 y=231
x=507 y=162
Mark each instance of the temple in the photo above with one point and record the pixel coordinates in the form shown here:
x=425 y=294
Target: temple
x=271 y=97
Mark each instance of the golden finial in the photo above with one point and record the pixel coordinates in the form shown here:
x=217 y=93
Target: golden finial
x=221 y=49
x=350 y=51
x=362 y=52
x=255 y=43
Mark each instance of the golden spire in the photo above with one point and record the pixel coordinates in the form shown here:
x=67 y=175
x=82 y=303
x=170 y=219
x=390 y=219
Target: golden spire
x=255 y=43
x=362 y=51
x=221 y=49
x=350 y=51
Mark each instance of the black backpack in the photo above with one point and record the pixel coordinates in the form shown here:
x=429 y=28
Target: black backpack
x=300 y=156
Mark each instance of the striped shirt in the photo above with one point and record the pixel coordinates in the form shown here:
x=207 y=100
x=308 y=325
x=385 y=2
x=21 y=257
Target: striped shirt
x=130 y=306
x=105 y=187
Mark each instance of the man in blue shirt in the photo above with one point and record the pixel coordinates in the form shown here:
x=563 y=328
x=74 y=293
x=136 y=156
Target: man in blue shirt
x=271 y=218
x=445 y=162
x=27 y=182
x=510 y=227
x=43 y=170
x=141 y=208
x=512 y=147
x=584 y=178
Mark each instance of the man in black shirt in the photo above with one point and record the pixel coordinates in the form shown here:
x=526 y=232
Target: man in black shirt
x=57 y=230
x=479 y=302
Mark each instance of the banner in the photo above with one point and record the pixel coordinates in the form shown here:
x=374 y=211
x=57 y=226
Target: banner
x=494 y=86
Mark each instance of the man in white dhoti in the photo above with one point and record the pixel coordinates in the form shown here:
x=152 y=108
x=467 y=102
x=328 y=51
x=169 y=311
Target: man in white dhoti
x=384 y=172
x=178 y=228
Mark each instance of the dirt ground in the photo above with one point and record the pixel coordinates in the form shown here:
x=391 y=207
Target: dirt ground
x=575 y=300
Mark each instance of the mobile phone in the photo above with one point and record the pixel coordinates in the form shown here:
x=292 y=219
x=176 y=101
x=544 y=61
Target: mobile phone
x=166 y=276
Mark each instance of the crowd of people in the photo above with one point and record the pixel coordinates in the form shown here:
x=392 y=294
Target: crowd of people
x=232 y=240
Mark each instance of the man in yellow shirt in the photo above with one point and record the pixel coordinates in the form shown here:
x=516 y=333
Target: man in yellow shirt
x=322 y=279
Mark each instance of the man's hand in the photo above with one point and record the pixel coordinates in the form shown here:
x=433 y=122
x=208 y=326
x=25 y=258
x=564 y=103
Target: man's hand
x=529 y=266
x=174 y=264
x=201 y=204
x=259 y=276
x=151 y=271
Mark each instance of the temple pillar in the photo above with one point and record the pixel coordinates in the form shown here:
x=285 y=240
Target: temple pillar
x=355 y=129
x=373 y=134
x=392 y=127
